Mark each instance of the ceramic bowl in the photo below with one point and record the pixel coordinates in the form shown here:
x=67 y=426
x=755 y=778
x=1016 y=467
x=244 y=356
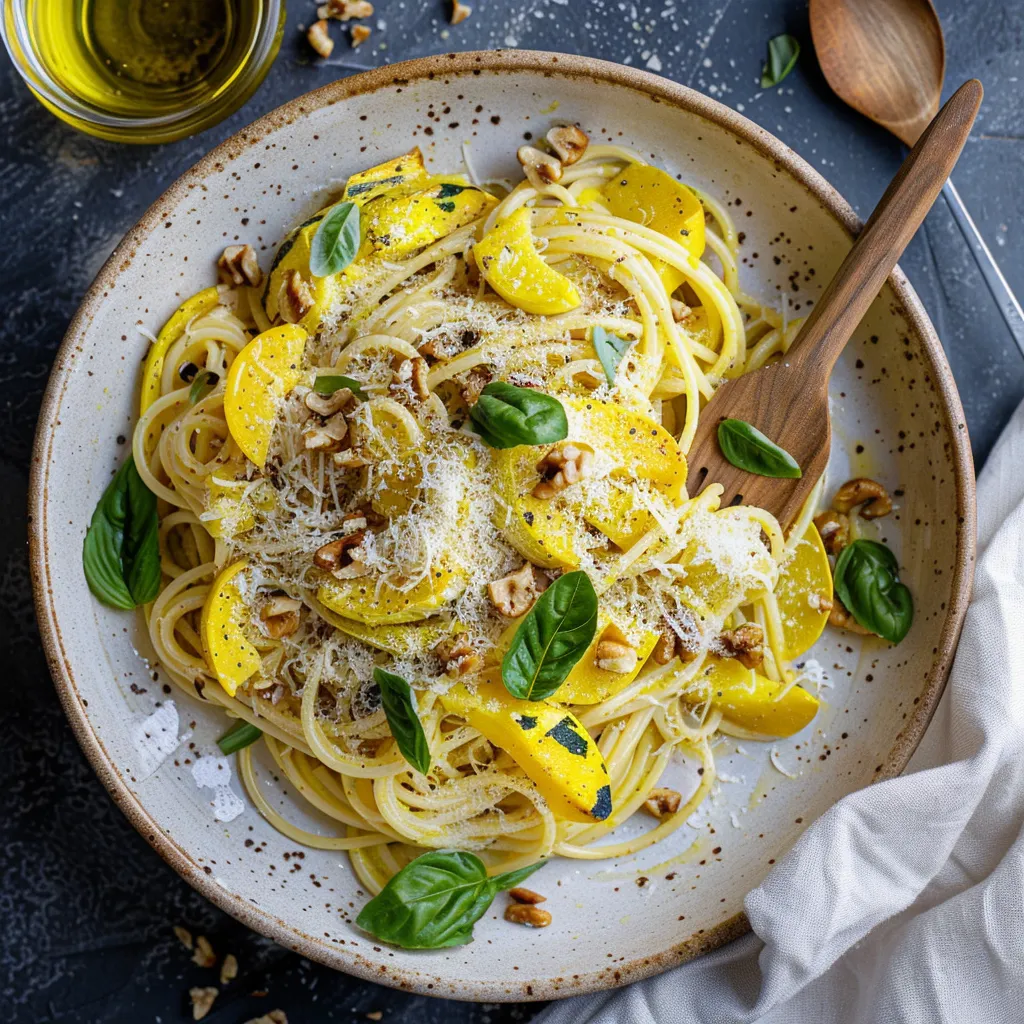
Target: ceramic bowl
x=897 y=417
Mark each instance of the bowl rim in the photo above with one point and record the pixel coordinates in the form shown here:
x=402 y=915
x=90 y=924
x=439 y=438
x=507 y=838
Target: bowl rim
x=653 y=88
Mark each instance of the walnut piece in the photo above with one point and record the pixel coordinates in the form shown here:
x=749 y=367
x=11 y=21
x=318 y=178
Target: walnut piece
x=202 y=1001
x=475 y=381
x=460 y=12
x=561 y=468
x=360 y=33
x=521 y=895
x=345 y=10
x=338 y=554
x=412 y=374
x=229 y=969
x=568 y=142
x=515 y=594
x=184 y=936
x=614 y=653
x=526 y=914
x=744 y=643
x=204 y=955
x=457 y=655
x=296 y=298
x=541 y=169
x=662 y=802
x=326 y=435
x=274 y=1017
x=280 y=616
x=319 y=38
x=834 y=530
x=238 y=265
x=841 y=616
x=328 y=405
x=866 y=492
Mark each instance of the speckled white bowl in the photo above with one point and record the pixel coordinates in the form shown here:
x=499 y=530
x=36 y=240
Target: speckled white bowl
x=897 y=417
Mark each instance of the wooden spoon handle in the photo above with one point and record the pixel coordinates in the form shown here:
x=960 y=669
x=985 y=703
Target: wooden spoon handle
x=896 y=218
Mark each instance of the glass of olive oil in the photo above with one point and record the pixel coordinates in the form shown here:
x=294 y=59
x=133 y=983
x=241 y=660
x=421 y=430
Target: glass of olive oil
x=143 y=70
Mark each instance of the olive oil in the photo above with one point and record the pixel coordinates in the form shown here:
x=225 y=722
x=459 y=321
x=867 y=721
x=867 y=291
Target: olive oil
x=147 y=60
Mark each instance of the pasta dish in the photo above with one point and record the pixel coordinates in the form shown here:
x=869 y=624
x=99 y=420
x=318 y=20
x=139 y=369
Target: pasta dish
x=422 y=515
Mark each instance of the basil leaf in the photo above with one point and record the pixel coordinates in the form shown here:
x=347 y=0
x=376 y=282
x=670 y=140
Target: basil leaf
x=867 y=582
x=121 y=552
x=240 y=735
x=399 y=707
x=202 y=384
x=747 y=448
x=554 y=634
x=435 y=900
x=783 y=52
x=336 y=241
x=610 y=349
x=328 y=383
x=506 y=415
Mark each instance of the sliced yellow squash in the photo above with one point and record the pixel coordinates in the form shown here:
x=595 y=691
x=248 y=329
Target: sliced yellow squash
x=232 y=659
x=545 y=740
x=750 y=700
x=261 y=375
x=650 y=196
x=403 y=170
x=365 y=601
x=512 y=266
x=804 y=595
x=198 y=305
x=228 y=511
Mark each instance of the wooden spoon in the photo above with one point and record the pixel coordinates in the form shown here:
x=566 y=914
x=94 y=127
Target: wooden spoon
x=887 y=60
x=788 y=400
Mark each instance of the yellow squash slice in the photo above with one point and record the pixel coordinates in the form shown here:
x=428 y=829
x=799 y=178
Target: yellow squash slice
x=650 y=196
x=545 y=740
x=232 y=659
x=804 y=595
x=365 y=601
x=513 y=268
x=228 y=511
x=198 y=305
x=404 y=170
x=261 y=375
x=750 y=700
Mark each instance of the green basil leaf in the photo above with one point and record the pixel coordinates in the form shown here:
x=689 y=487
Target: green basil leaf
x=868 y=583
x=121 y=552
x=554 y=634
x=506 y=416
x=202 y=384
x=747 y=448
x=240 y=735
x=399 y=706
x=510 y=879
x=610 y=349
x=328 y=383
x=783 y=53
x=435 y=900
x=336 y=241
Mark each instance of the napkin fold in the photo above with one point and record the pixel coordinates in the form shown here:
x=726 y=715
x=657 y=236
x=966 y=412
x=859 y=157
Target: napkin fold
x=905 y=902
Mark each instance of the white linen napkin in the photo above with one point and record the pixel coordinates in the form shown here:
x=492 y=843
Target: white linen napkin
x=905 y=902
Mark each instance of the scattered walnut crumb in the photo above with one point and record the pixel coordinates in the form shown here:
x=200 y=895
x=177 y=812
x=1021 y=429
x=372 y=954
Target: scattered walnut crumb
x=514 y=595
x=560 y=468
x=202 y=1001
x=274 y=1017
x=662 y=802
x=279 y=617
x=360 y=33
x=476 y=380
x=457 y=655
x=345 y=10
x=865 y=492
x=375 y=1015
x=614 y=653
x=521 y=895
x=527 y=914
x=204 y=955
x=319 y=38
x=238 y=265
x=745 y=643
x=184 y=936
x=229 y=969
x=460 y=12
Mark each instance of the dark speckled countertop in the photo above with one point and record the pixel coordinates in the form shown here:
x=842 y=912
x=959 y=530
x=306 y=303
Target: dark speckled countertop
x=87 y=908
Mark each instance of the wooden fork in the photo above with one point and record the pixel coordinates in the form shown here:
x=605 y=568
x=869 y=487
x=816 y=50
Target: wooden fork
x=788 y=400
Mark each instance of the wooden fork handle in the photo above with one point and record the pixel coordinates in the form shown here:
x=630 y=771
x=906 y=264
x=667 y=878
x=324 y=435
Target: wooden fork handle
x=887 y=233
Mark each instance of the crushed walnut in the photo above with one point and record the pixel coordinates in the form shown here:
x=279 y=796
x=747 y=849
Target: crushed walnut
x=184 y=936
x=411 y=375
x=319 y=38
x=279 y=617
x=326 y=435
x=457 y=655
x=238 y=265
x=202 y=1001
x=326 y=406
x=568 y=142
x=295 y=299
x=541 y=169
x=475 y=381
x=229 y=969
x=662 y=802
x=561 y=468
x=460 y=12
x=274 y=1017
x=203 y=954
x=527 y=914
x=341 y=557
x=839 y=615
x=869 y=494
x=345 y=10
x=514 y=595
x=521 y=895
x=360 y=33
x=614 y=653
x=745 y=643
x=834 y=530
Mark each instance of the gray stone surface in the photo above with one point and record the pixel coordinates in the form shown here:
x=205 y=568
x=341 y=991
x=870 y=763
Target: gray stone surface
x=86 y=906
